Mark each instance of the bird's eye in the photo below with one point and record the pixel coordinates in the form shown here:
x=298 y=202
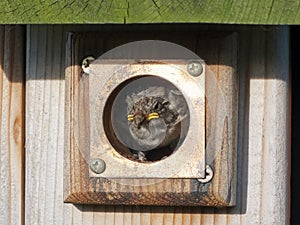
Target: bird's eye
x=156 y=105
x=165 y=103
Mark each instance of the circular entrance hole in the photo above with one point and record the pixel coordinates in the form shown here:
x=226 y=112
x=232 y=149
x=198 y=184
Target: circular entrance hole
x=146 y=118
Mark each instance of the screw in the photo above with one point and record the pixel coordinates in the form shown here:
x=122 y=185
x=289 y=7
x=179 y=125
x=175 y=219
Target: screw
x=208 y=175
x=86 y=64
x=97 y=166
x=195 y=68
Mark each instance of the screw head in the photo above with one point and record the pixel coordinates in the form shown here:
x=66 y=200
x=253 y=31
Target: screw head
x=195 y=68
x=209 y=175
x=97 y=165
x=85 y=65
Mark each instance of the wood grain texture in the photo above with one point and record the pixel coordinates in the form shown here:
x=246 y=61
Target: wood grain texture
x=263 y=141
x=12 y=77
x=150 y=11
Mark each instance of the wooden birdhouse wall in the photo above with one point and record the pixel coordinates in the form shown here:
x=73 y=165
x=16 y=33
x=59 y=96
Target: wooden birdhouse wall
x=32 y=111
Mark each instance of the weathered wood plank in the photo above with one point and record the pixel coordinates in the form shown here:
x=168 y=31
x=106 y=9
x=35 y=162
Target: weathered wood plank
x=276 y=131
x=45 y=157
x=263 y=141
x=12 y=77
x=150 y=11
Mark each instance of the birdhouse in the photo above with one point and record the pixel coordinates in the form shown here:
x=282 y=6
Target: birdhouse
x=151 y=121
x=147 y=120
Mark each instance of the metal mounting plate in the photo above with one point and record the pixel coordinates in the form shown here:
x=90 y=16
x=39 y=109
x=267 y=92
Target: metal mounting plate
x=188 y=161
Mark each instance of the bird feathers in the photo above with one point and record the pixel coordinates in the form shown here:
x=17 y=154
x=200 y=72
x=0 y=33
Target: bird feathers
x=163 y=129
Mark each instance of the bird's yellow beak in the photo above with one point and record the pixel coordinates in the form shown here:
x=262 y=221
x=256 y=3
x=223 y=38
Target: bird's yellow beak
x=130 y=117
x=151 y=116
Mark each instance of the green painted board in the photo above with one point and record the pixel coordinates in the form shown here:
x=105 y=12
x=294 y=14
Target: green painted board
x=149 y=11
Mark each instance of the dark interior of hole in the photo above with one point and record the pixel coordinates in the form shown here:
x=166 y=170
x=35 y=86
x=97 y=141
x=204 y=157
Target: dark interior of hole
x=114 y=141
x=156 y=154
x=150 y=156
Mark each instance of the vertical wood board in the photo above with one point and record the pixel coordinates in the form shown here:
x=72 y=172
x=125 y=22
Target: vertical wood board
x=12 y=96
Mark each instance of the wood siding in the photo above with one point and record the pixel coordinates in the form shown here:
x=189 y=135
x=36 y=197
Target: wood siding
x=263 y=137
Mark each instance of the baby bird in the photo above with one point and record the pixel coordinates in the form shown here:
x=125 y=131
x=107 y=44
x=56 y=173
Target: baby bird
x=155 y=117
